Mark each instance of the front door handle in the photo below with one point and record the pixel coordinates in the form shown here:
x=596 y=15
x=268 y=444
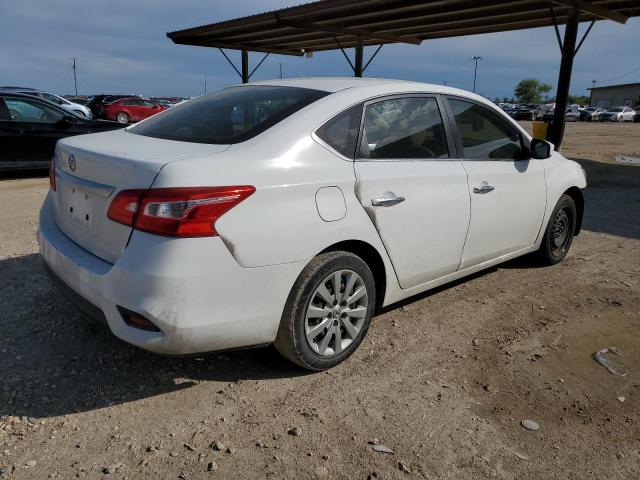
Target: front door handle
x=388 y=199
x=484 y=187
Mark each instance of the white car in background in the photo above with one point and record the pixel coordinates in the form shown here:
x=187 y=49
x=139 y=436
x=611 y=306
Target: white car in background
x=618 y=114
x=288 y=211
x=71 y=107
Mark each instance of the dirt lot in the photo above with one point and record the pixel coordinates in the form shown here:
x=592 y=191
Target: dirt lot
x=599 y=141
x=444 y=380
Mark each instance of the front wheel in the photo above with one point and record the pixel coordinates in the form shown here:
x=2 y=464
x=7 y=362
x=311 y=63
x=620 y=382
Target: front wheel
x=328 y=311
x=559 y=233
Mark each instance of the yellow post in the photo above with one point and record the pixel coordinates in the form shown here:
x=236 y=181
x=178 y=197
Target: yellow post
x=539 y=130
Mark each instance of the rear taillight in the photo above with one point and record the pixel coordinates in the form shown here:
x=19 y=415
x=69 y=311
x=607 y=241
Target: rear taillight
x=124 y=207
x=176 y=212
x=52 y=174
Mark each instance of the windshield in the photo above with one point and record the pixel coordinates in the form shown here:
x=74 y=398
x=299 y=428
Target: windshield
x=232 y=115
x=615 y=109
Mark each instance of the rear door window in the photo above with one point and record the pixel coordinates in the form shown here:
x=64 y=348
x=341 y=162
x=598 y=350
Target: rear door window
x=403 y=128
x=228 y=116
x=341 y=132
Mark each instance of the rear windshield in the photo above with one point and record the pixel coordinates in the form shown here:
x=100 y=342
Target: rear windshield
x=232 y=115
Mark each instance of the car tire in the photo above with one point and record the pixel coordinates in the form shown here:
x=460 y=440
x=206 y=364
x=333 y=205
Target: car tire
x=122 y=117
x=559 y=233
x=320 y=329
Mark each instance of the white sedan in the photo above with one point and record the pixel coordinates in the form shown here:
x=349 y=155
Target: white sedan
x=289 y=211
x=618 y=114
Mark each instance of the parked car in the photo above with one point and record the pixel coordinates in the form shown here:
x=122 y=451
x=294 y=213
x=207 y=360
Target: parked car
x=618 y=114
x=524 y=113
x=536 y=109
x=636 y=117
x=31 y=126
x=591 y=114
x=81 y=100
x=71 y=107
x=97 y=102
x=571 y=114
x=129 y=110
x=200 y=229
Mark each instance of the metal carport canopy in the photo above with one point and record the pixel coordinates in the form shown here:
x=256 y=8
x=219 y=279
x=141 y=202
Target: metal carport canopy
x=340 y=24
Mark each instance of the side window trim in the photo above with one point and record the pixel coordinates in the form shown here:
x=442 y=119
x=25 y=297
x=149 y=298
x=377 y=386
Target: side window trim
x=451 y=145
x=524 y=141
x=319 y=139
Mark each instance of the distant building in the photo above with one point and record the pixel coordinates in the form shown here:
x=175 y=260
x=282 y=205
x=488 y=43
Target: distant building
x=615 y=95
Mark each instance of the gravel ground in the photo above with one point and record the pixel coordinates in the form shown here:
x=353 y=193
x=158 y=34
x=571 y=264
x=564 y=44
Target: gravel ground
x=443 y=381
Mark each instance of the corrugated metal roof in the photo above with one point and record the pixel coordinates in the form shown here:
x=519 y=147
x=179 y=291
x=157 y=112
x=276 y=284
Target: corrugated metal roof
x=331 y=24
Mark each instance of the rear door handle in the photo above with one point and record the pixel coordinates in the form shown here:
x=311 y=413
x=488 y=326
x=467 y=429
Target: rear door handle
x=388 y=199
x=484 y=187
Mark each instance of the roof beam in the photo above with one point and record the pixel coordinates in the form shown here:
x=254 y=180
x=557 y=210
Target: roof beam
x=237 y=46
x=594 y=9
x=314 y=27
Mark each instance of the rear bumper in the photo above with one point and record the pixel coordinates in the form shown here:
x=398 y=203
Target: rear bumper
x=192 y=289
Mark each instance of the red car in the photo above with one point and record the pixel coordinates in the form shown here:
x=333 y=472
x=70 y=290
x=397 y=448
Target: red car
x=129 y=110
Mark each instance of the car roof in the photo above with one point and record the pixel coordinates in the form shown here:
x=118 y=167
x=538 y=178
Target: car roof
x=335 y=84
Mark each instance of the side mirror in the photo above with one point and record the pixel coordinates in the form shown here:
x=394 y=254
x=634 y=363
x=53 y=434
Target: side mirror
x=540 y=149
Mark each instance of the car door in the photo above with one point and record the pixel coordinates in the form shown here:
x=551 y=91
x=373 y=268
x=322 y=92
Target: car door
x=40 y=127
x=147 y=109
x=508 y=192
x=412 y=186
x=9 y=135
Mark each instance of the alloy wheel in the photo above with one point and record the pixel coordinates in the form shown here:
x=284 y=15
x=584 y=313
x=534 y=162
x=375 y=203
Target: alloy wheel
x=336 y=312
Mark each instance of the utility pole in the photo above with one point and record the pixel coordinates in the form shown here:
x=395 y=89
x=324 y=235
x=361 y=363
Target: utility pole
x=475 y=72
x=75 y=78
x=593 y=83
x=280 y=63
x=205 y=83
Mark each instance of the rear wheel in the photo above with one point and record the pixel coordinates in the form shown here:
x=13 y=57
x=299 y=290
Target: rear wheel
x=559 y=233
x=328 y=311
x=122 y=117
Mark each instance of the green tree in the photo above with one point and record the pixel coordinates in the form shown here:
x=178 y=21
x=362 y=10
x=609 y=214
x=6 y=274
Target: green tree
x=579 y=99
x=530 y=90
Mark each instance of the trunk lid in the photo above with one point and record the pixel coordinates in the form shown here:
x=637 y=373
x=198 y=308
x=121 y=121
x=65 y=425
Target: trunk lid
x=92 y=169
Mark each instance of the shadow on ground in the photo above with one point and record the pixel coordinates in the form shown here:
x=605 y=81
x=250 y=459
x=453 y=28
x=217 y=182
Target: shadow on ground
x=612 y=199
x=54 y=361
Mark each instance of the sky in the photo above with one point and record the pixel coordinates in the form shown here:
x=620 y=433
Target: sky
x=121 y=47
